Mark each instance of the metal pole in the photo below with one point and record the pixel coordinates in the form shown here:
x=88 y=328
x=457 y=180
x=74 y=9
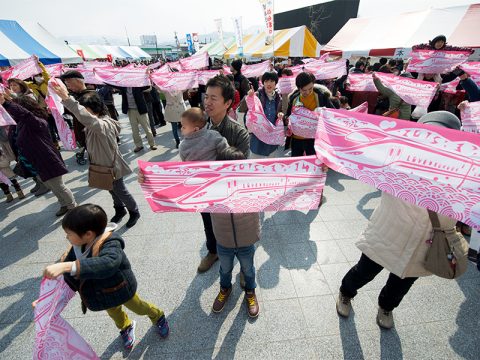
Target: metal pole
x=128 y=40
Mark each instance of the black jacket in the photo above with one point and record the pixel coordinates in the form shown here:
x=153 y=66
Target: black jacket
x=139 y=99
x=106 y=280
x=235 y=134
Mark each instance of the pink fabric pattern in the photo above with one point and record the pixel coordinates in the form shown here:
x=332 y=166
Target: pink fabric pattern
x=4 y=179
x=435 y=61
x=412 y=91
x=361 y=82
x=286 y=84
x=432 y=167
x=89 y=76
x=55 y=70
x=234 y=186
x=471 y=117
x=123 y=78
x=194 y=62
x=258 y=123
x=55 y=339
x=54 y=103
x=5 y=118
x=362 y=108
x=176 y=81
x=303 y=122
x=23 y=70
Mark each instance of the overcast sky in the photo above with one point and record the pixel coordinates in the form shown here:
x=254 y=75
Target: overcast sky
x=110 y=17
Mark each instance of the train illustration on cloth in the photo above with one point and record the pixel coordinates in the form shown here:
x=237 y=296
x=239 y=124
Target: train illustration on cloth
x=243 y=191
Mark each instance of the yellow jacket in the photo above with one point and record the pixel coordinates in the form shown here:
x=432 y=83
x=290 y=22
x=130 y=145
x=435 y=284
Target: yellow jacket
x=40 y=91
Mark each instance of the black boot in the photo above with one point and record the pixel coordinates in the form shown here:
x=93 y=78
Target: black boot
x=120 y=212
x=177 y=142
x=132 y=220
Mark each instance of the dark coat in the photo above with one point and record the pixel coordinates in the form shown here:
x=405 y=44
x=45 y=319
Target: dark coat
x=35 y=143
x=236 y=135
x=139 y=99
x=104 y=281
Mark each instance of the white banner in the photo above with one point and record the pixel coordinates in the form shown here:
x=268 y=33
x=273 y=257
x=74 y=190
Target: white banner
x=237 y=25
x=268 y=15
x=218 y=24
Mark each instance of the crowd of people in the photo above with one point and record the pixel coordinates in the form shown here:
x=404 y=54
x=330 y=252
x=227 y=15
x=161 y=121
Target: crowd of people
x=207 y=125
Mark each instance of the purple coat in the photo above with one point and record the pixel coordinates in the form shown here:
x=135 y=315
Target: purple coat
x=35 y=143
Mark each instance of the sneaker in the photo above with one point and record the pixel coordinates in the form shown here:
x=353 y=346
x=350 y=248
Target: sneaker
x=137 y=149
x=344 y=305
x=132 y=220
x=221 y=299
x=153 y=147
x=207 y=262
x=128 y=336
x=62 y=211
x=9 y=198
x=162 y=326
x=385 y=318
x=252 y=303
x=20 y=194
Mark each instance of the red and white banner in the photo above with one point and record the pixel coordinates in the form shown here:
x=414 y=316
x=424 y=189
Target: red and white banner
x=267 y=6
x=54 y=103
x=258 y=124
x=54 y=337
x=96 y=64
x=361 y=82
x=470 y=115
x=436 y=61
x=176 y=81
x=5 y=118
x=23 y=70
x=412 y=91
x=234 y=186
x=54 y=70
x=155 y=65
x=286 y=84
x=303 y=122
x=123 y=78
x=429 y=166
x=195 y=62
x=205 y=75
x=362 y=108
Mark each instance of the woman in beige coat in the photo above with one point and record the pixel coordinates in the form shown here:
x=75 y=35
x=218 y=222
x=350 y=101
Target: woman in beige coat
x=173 y=112
x=396 y=239
x=101 y=133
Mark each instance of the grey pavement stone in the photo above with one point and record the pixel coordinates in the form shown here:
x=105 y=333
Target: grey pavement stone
x=300 y=261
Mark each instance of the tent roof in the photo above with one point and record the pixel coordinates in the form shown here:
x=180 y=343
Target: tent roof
x=218 y=48
x=380 y=36
x=135 y=52
x=22 y=39
x=294 y=42
x=88 y=52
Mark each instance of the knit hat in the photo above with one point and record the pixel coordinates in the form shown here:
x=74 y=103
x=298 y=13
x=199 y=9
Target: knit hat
x=72 y=74
x=441 y=118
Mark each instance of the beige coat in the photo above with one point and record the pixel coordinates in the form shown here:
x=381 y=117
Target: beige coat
x=236 y=230
x=175 y=106
x=396 y=236
x=101 y=138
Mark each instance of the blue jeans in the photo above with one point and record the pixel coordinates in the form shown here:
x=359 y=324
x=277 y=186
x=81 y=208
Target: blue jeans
x=175 y=130
x=245 y=257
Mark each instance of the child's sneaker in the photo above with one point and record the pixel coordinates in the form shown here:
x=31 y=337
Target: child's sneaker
x=128 y=336
x=162 y=326
x=221 y=299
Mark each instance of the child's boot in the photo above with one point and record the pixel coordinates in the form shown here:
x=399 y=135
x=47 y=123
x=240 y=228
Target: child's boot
x=20 y=194
x=9 y=197
x=252 y=303
x=221 y=299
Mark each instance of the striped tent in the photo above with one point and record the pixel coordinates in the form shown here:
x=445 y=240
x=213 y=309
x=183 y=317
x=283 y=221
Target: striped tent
x=394 y=35
x=20 y=40
x=87 y=51
x=135 y=52
x=294 y=42
x=218 y=48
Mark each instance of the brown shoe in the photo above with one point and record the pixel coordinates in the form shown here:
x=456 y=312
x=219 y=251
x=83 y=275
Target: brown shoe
x=9 y=198
x=20 y=194
x=252 y=303
x=221 y=299
x=138 y=148
x=207 y=262
x=153 y=147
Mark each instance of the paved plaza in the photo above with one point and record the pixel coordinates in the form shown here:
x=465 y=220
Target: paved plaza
x=300 y=262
